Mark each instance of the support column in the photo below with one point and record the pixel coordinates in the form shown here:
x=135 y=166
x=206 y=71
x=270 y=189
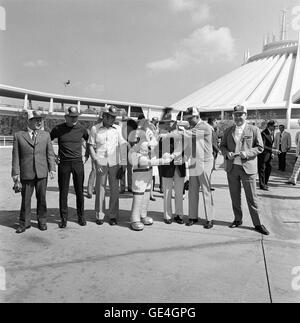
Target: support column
x=222 y=115
x=78 y=106
x=148 y=113
x=51 y=106
x=25 y=106
x=129 y=111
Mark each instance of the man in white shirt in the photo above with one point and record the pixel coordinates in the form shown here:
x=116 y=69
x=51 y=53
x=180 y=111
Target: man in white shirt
x=293 y=179
x=108 y=149
x=282 y=143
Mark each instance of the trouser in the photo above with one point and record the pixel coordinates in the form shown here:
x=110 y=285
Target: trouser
x=101 y=180
x=168 y=183
x=264 y=170
x=65 y=169
x=28 y=186
x=282 y=161
x=92 y=179
x=296 y=171
x=129 y=179
x=235 y=177
x=141 y=186
x=201 y=180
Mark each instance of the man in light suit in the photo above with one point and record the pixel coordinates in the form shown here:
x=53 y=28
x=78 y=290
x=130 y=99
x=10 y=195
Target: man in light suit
x=32 y=159
x=282 y=143
x=240 y=146
x=199 y=152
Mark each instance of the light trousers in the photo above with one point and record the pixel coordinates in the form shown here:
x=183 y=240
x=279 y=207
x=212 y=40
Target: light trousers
x=101 y=180
x=203 y=181
x=296 y=171
x=168 y=183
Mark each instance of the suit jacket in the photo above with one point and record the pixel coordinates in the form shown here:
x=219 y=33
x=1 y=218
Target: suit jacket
x=268 y=141
x=32 y=160
x=251 y=143
x=285 y=142
x=168 y=146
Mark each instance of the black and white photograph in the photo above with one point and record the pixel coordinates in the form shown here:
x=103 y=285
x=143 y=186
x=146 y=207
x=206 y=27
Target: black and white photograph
x=149 y=154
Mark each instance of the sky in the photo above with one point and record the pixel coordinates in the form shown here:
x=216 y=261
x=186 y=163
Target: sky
x=144 y=51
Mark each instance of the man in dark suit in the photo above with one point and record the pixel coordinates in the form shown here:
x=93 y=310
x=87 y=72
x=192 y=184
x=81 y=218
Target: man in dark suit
x=240 y=146
x=265 y=158
x=32 y=159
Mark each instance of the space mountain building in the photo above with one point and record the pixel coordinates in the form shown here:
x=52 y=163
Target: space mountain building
x=268 y=84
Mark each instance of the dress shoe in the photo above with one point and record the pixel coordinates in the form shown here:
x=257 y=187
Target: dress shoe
x=261 y=229
x=191 y=222
x=89 y=196
x=168 y=221
x=291 y=183
x=208 y=225
x=264 y=188
x=43 y=227
x=82 y=222
x=236 y=224
x=152 y=199
x=99 y=222
x=63 y=224
x=113 y=221
x=129 y=190
x=22 y=229
x=212 y=189
x=178 y=219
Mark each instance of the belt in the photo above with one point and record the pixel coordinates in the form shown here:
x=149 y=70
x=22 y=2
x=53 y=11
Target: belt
x=141 y=170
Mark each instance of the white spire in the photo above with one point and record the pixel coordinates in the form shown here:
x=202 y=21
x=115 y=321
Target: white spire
x=283 y=25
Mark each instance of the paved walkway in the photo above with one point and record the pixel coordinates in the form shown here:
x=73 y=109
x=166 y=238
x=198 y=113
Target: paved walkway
x=164 y=263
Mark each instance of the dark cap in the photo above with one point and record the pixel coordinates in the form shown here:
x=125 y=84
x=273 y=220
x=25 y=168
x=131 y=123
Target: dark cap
x=191 y=112
x=111 y=110
x=239 y=109
x=72 y=111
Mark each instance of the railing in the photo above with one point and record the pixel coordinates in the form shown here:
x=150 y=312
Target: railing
x=6 y=141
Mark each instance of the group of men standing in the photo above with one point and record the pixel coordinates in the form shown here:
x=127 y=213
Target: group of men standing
x=241 y=144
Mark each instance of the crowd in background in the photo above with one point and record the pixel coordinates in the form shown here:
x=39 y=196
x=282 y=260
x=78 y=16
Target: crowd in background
x=131 y=154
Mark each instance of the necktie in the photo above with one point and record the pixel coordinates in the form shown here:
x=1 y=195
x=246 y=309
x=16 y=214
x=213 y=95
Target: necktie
x=33 y=136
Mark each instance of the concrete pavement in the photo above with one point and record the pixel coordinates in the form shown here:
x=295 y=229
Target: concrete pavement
x=164 y=263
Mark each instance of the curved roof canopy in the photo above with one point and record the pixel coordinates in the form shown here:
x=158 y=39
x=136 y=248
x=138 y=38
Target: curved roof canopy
x=267 y=80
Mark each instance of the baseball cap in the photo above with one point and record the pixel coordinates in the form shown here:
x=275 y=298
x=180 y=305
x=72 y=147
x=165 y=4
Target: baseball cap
x=72 y=111
x=239 y=109
x=31 y=114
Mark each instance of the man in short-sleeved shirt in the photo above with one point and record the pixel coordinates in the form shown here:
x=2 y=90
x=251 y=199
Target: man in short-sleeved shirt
x=70 y=135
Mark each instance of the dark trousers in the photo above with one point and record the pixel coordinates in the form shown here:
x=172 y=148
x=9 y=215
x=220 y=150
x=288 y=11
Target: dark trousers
x=28 y=186
x=282 y=161
x=65 y=169
x=235 y=178
x=264 y=170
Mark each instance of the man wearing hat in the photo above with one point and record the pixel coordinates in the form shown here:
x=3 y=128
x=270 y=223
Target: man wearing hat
x=70 y=135
x=108 y=150
x=265 y=158
x=32 y=160
x=241 y=144
x=198 y=149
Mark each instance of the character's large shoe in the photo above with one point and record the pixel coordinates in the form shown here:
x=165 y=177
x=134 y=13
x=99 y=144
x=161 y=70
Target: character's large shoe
x=178 y=219
x=82 y=222
x=63 y=224
x=137 y=226
x=113 y=221
x=289 y=182
x=147 y=220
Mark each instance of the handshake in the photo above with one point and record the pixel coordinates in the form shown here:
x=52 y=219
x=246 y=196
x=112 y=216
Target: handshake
x=241 y=154
x=167 y=159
